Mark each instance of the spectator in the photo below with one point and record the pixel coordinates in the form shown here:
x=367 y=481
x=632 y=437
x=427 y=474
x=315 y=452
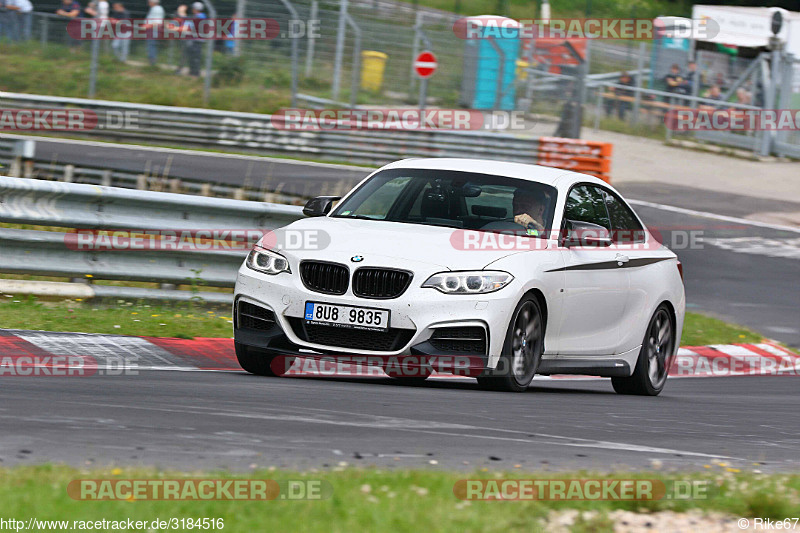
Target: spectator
x=714 y=93
x=180 y=18
x=691 y=78
x=674 y=80
x=743 y=96
x=621 y=95
x=69 y=9
x=18 y=19
x=195 y=46
x=120 y=47
x=153 y=22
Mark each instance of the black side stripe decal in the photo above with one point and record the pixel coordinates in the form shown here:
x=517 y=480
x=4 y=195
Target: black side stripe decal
x=604 y=265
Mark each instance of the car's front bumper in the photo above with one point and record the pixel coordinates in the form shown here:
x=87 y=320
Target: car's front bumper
x=415 y=316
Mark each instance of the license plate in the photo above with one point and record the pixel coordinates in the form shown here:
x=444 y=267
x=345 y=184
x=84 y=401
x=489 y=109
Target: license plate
x=346 y=316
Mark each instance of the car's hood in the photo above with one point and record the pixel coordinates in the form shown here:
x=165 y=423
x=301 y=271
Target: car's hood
x=379 y=243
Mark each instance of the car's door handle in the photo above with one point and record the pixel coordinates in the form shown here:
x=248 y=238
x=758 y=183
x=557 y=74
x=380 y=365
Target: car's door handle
x=622 y=259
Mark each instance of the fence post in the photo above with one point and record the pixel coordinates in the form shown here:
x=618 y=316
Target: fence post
x=45 y=29
x=599 y=107
x=356 y=67
x=311 y=39
x=637 y=97
x=337 y=61
x=93 y=69
x=412 y=77
x=240 y=12
x=209 y=55
x=294 y=16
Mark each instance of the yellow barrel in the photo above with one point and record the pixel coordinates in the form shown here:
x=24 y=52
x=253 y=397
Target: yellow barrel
x=522 y=66
x=372 y=66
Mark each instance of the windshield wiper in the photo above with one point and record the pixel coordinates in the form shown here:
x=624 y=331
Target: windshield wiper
x=359 y=217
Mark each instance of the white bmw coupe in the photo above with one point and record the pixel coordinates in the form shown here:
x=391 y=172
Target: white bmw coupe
x=520 y=269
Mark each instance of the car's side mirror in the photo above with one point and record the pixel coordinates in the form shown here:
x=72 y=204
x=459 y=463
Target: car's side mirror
x=319 y=206
x=579 y=233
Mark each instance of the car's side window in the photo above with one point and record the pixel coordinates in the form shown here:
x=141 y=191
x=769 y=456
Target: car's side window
x=586 y=203
x=625 y=228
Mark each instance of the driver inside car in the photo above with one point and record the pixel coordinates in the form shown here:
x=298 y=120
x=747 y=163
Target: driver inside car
x=529 y=209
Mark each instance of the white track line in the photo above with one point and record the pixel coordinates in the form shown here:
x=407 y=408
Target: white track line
x=703 y=214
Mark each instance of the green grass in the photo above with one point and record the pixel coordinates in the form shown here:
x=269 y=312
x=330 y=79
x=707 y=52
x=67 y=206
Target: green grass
x=194 y=320
x=699 y=330
x=185 y=320
x=381 y=499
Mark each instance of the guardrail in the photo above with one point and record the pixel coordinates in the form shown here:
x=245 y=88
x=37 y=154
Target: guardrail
x=261 y=133
x=73 y=205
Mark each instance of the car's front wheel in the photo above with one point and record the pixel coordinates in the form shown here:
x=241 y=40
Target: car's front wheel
x=655 y=358
x=258 y=362
x=522 y=350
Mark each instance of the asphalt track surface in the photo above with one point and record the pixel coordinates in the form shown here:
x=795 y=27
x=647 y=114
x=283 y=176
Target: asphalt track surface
x=231 y=419
x=196 y=420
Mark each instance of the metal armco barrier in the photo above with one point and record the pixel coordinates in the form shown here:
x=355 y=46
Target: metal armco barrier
x=72 y=205
x=254 y=132
x=588 y=157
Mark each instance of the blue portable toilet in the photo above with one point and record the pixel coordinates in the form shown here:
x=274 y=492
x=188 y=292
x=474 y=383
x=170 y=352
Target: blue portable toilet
x=490 y=63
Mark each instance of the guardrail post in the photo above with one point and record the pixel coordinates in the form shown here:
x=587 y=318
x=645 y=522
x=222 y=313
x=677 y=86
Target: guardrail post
x=175 y=185
x=105 y=180
x=205 y=189
x=69 y=172
x=141 y=182
x=239 y=194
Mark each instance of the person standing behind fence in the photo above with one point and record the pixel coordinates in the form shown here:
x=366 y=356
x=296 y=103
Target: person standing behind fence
x=120 y=47
x=154 y=20
x=621 y=96
x=179 y=20
x=19 y=19
x=195 y=46
x=674 y=80
x=70 y=9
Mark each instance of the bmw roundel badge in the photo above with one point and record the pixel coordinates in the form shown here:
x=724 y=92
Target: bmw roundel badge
x=357 y=258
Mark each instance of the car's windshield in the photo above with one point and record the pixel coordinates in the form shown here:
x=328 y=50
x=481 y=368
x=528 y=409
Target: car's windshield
x=453 y=199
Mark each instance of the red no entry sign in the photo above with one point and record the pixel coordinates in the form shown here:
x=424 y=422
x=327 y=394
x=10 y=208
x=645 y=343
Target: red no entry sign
x=425 y=64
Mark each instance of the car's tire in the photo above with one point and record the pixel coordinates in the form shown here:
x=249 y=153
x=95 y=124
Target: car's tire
x=655 y=357
x=256 y=361
x=522 y=350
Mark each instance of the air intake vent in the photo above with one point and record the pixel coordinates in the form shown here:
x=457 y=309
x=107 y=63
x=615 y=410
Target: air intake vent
x=354 y=339
x=380 y=283
x=460 y=340
x=327 y=278
x=252 y=316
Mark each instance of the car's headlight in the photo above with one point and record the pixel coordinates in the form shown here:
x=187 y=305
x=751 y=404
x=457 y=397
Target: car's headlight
x=478 y=282
x=267 y=262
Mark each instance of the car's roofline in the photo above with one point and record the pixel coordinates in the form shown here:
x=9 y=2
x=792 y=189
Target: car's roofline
x=557 y=177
